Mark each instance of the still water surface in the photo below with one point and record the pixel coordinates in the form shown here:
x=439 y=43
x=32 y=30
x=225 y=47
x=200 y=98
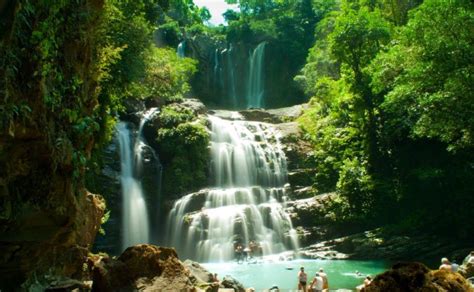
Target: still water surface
x=264 y=275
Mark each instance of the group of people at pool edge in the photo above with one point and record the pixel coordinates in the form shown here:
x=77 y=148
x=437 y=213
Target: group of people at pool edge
x=320 y=281
x=318 y=284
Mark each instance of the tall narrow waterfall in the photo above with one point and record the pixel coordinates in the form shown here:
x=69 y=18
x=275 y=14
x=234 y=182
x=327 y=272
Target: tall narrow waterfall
x=180 y=51
x=135 y=226
x=135 y=220
x=245 y=203
x=217 y=70
x=255 y=84
x=231 y=76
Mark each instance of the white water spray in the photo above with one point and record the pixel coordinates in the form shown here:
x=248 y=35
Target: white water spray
x=135 y=226
x=249 y=171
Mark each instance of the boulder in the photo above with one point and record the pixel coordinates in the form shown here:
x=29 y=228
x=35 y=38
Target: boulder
x=297 y=150
x=417 y=277
x=198 y=271
x=274 y=116
x=229 y=282
x=142 y=267
x=301 y=178
x=260 y=115
x=195 y=105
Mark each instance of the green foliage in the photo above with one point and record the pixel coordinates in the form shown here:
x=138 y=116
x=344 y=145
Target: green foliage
x=358 y=36
x=172 y=115
x=104 y=220
x=330 y=125
x=171 y=32
x=166 y=76
x=392 y=128
x=51 y=64
x=431 y=87
x=356 y=185
x=182 y=143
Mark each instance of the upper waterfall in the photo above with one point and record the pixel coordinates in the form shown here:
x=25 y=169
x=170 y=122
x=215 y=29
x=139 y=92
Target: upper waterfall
x=180 y=51
x=255 y=85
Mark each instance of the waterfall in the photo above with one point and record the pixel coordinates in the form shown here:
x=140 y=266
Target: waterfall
x=135 y=218
x=245 y=203
x=135 y=226
x=255 y=83
x=180 y=51
x=217 y=70
x=231 y=76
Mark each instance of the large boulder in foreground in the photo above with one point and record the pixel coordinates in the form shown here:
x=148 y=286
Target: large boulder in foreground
x=142 y=267
x=417 y=277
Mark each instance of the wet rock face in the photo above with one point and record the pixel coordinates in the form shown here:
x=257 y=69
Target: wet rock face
x=107 y=183
x=417 y=277
x=44 y=244
x=48 y=220
x=142 y=267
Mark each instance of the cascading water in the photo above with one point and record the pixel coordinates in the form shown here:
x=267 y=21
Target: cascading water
x=135 y=220
x=135 y=226
x=255 y=84
x=180 y=51
x=245 y=204
x=217 y=70
x=231 y=76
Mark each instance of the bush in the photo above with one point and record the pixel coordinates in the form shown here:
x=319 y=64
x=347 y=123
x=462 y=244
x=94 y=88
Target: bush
x=183 y=142
x=356 y=185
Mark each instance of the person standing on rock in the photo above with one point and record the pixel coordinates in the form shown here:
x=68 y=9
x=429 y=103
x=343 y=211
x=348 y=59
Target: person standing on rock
x=446 y=265
x=323 y=275
x=454 y=266
x=367 y=281
x=302 y=279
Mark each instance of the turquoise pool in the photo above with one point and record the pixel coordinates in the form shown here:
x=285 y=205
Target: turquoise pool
x=263 y=275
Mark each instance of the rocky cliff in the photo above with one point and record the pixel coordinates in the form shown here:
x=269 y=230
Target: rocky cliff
x=48 y=91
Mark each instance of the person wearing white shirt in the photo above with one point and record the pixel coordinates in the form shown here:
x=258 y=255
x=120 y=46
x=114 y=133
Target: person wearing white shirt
x=317 y=284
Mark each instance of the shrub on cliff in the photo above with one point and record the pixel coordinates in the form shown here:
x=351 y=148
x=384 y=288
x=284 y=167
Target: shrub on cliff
x=182 y=143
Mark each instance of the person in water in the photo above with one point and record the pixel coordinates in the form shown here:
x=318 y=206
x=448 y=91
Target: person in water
x=445 y=265
x=324 y=276
x=302 y=279
x=317 y=284
x=239 y=251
